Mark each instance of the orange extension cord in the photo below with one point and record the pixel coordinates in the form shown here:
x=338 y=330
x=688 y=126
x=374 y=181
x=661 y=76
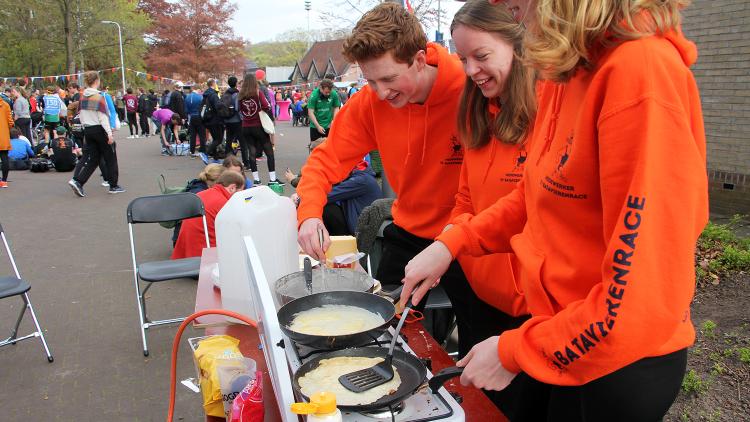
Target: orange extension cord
x=176 y=347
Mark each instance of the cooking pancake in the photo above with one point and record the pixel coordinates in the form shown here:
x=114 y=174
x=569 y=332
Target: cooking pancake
x=335 y=320
x=325 y=377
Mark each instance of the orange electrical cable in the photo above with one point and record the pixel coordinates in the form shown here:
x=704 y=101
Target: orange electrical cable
x=176 y=347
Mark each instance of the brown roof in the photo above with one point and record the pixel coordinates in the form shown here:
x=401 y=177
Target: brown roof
x=320 y=53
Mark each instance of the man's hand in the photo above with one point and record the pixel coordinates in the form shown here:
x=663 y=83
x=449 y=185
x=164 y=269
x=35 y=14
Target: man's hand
x=425 y=268
x=308 y=238
x=482 y=367
x=321 y=130
x=289 y=176
x=110 y=140
x=295 y=198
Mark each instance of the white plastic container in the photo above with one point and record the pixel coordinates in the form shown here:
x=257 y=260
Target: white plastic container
x=271 y=221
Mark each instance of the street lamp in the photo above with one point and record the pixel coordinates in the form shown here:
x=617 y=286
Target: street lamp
x=122 y=58
x=308 y=7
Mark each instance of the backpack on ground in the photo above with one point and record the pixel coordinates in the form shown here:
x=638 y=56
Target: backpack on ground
x=167 y=190
x=226 y=106
x=40 y=165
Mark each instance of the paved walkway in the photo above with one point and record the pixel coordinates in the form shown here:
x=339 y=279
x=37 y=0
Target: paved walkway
x=75 y=253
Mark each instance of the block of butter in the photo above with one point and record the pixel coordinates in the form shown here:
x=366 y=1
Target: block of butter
x=341 y=245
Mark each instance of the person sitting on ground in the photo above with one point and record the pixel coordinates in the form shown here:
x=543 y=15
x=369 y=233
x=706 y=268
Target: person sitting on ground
x=62 y=148
x=346 y=199
x=20 y=153
x=163 y=118
x=232 y=162
x=192 y=238
x=206 y=179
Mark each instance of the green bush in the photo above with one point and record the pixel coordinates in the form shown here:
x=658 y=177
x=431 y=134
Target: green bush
x=708 y=328
x=692 y=383
x=720 y=250
x=744 y=354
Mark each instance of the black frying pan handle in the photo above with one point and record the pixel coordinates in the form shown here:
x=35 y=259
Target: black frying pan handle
x=394 y=294
x=442 y=376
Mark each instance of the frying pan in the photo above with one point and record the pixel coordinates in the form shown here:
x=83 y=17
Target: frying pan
x=373 y=303
x=411 y=370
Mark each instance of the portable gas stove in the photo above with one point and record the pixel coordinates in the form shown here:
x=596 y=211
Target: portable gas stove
x=284 y=357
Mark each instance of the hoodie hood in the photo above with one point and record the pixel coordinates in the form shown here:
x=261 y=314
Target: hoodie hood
x=447 y=80
x=90 y=91
x=687 y=49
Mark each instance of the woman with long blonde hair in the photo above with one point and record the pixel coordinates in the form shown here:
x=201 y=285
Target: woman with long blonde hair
x=604 y=223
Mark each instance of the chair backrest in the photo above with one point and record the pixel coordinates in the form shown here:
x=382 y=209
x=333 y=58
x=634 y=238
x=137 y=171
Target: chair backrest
x=159 y=208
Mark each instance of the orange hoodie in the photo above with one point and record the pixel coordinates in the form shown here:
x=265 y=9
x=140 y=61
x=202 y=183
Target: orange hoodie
x=605 y=221
x=487 y=174
x=418 y=145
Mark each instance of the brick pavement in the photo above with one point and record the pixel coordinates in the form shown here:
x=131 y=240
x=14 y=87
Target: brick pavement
x=75 y=253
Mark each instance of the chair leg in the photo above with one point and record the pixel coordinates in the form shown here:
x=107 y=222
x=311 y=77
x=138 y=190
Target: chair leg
x=141 y=315
x=38 y=328
x=14 y=333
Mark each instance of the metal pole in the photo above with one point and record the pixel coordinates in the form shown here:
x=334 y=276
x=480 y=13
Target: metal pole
x=122 y=57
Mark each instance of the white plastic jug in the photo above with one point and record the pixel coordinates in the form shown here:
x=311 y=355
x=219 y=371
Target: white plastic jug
x=271 y=221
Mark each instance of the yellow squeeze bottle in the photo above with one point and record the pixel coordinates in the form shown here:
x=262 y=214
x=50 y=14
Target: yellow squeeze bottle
x=322 y=408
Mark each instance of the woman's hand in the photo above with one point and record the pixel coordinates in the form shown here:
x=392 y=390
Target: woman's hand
x=482 y=367
x=423 y=272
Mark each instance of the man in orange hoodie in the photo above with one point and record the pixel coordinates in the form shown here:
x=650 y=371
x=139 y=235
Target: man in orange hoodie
x=604 y=223
x=407 y=112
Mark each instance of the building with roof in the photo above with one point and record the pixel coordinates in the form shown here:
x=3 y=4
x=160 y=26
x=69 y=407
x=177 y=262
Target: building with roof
x=324 y=57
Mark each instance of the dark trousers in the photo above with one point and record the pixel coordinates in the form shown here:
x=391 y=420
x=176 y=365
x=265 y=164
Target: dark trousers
x=145 y=127
x=132 y=123
x=475 y=319
x=120 y=114
x=97 y=146
x=315 y=135
x=5 y=165
x=335 y=220
x=256 y=139
x=24 y=125
x=641 y=391
x=217 y=137
x=234 y=133
x=196 y=129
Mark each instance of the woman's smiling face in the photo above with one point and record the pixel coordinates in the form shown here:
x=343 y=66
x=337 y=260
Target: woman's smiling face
x=487 y=58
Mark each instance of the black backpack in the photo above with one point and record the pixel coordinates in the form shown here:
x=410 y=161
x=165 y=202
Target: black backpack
x=225 y=107
x=207 y=112
x=39 y=165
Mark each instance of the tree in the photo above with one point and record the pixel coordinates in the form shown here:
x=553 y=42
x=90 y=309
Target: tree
x=346 y=13
x=47 y=36
x=191 y=38
x=276 y=53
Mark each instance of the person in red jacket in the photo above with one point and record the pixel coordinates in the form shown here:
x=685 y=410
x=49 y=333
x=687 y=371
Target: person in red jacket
x=407 y=112
x=192 y=238
x=604 y=223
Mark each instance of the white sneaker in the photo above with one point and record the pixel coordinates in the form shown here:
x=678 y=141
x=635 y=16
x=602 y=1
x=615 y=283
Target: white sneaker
x=131 y=137
x=105 y=184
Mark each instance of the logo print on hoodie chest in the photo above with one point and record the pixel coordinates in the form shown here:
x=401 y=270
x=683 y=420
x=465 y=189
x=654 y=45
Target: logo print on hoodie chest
x=456 y=155
x=519 y=161
x=556 y=181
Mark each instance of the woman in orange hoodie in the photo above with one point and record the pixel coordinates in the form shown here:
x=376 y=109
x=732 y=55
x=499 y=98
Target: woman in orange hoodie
x=495 y=112
x=6 y=122
x=605 y=220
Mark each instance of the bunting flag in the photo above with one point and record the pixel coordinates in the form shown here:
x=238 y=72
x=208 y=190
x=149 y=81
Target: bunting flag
x=79 y=76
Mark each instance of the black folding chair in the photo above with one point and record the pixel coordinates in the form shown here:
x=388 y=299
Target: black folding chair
x=158 y=209
x=16 y=286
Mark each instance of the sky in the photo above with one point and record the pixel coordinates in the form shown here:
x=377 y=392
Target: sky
x=281 y=15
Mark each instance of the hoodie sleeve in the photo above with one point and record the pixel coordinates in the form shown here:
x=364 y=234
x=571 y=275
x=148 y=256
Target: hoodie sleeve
x=350 y=138
x=481 y=234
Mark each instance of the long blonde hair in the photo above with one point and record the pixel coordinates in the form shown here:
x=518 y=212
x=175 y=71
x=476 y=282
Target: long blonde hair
x=568 y=33
x=475 y=126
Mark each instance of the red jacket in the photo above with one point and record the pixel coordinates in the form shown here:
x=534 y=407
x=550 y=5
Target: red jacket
x=192 y=239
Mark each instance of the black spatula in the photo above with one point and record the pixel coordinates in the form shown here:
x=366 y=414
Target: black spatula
x=365 y=379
